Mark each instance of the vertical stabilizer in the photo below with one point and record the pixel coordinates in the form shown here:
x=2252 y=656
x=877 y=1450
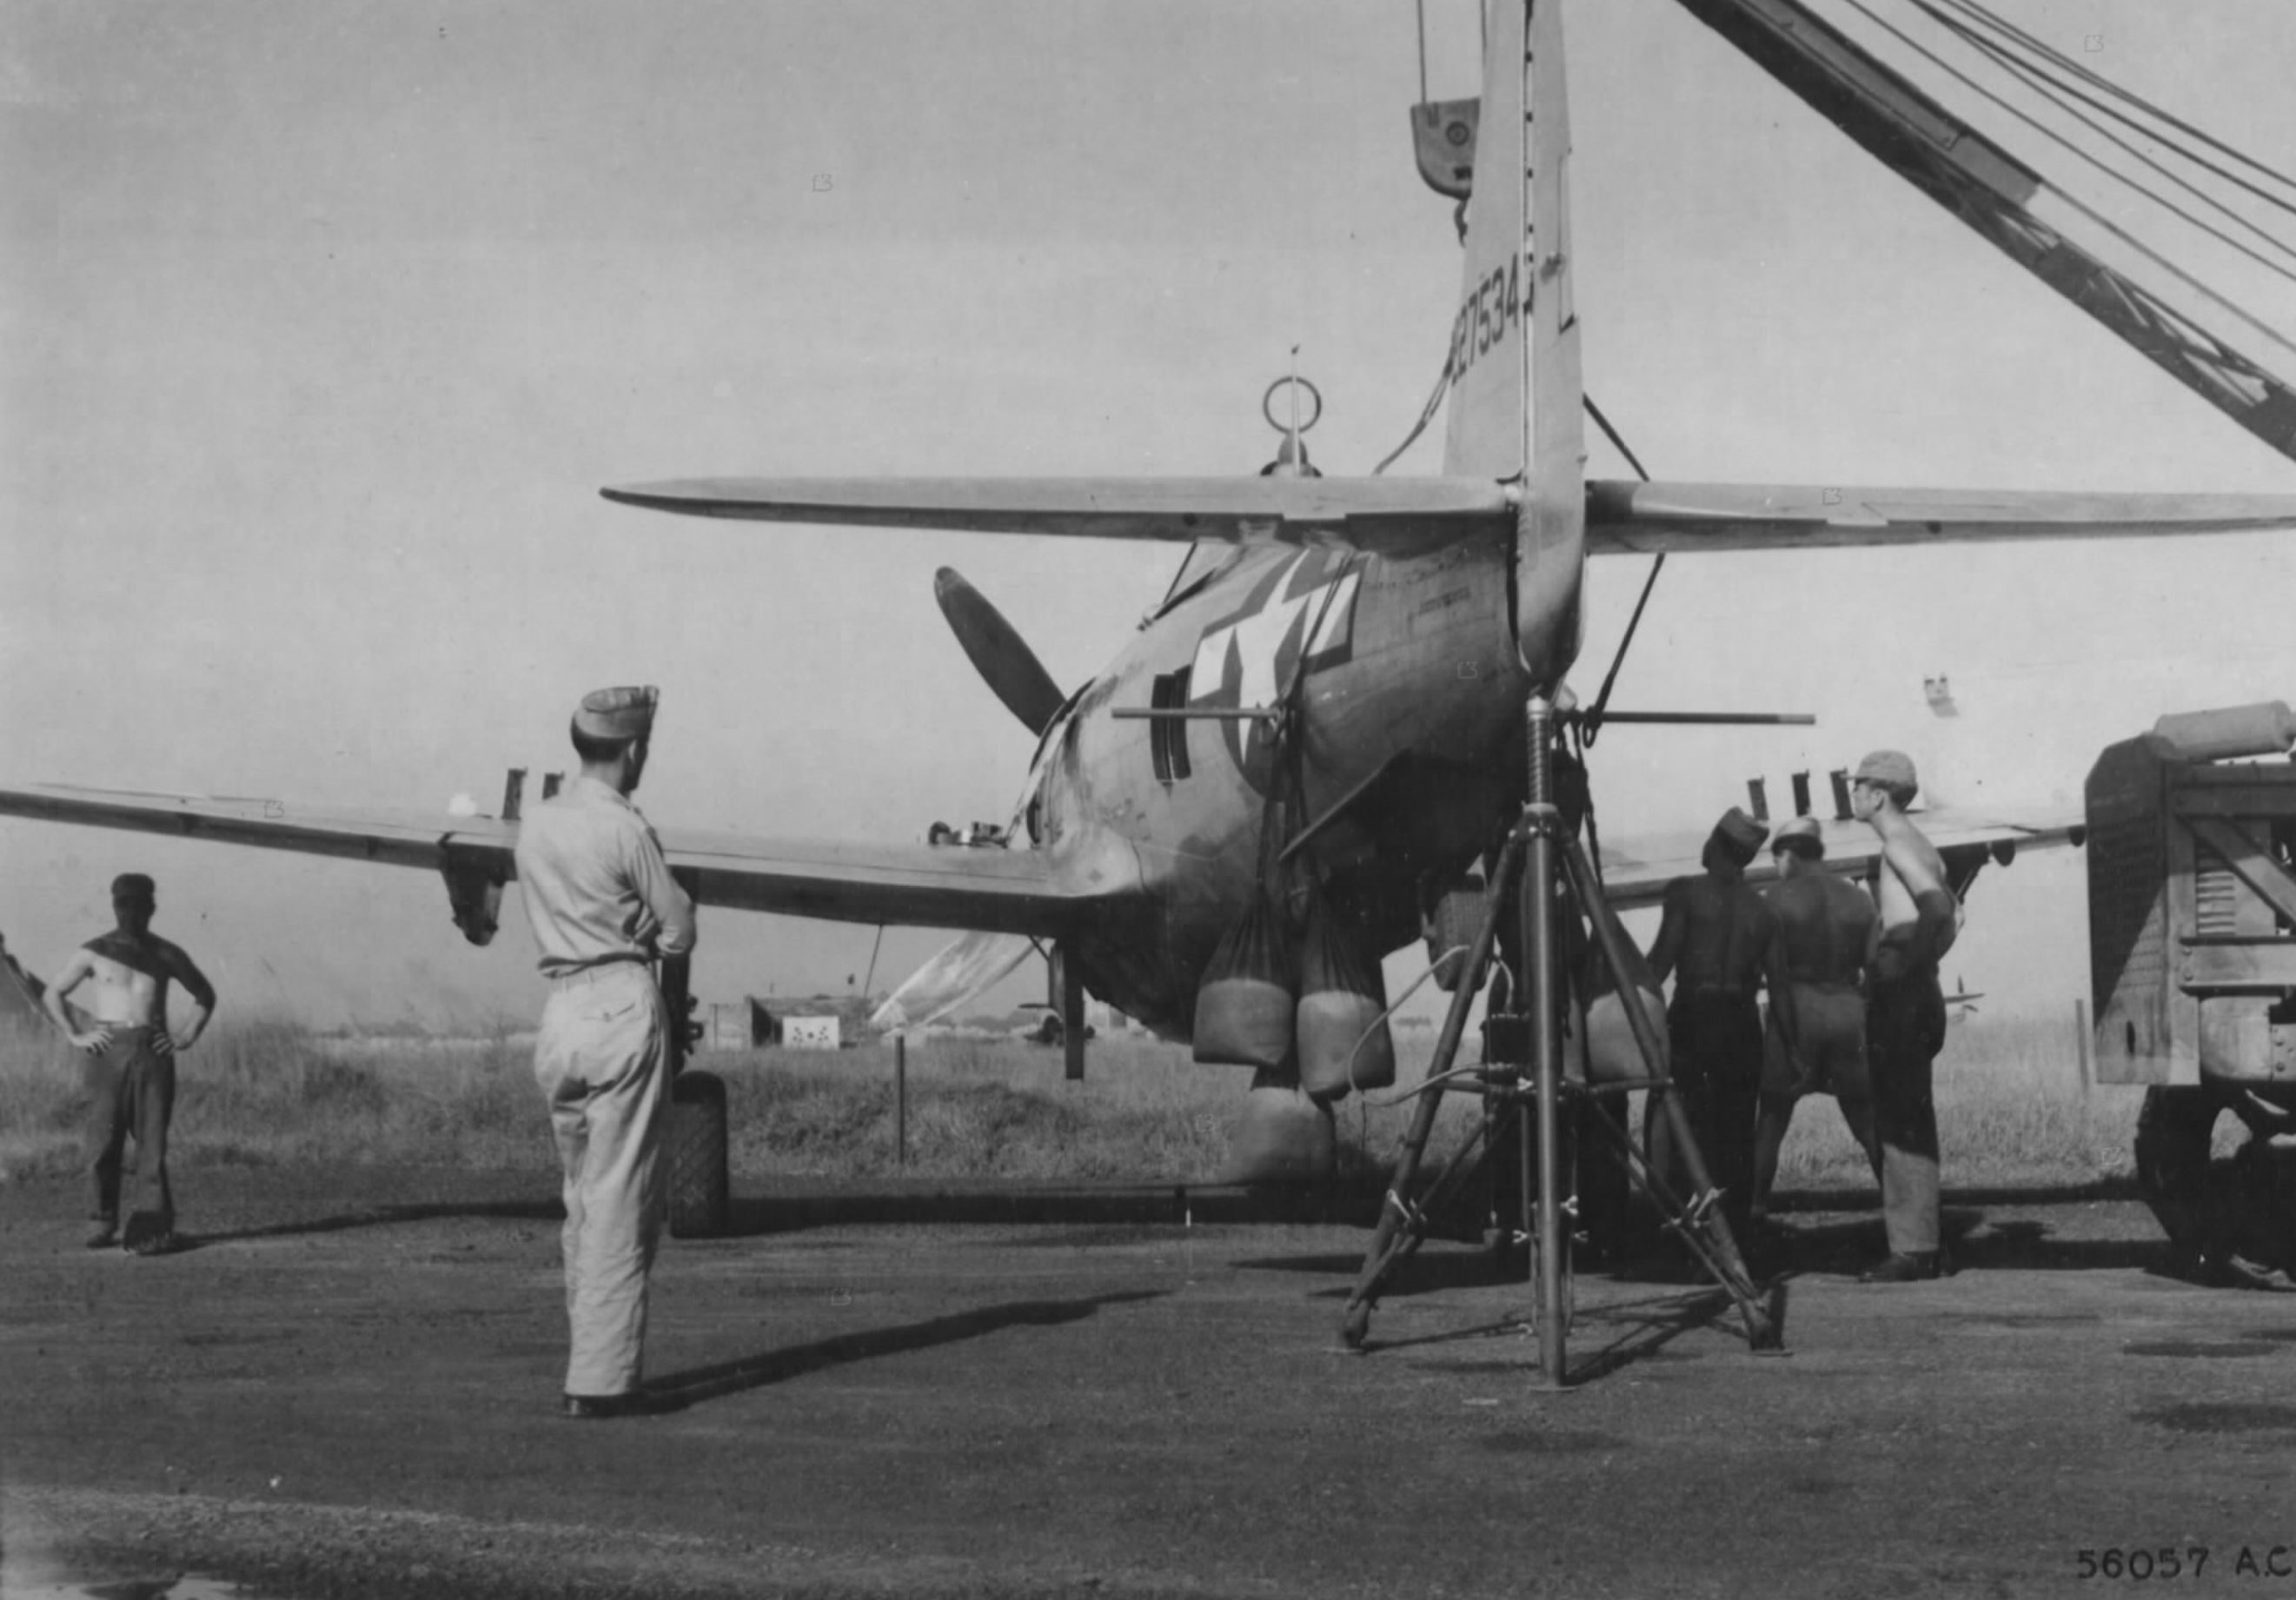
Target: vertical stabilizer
x=1488 y=430
x=1515 y=385
x=1551 y=532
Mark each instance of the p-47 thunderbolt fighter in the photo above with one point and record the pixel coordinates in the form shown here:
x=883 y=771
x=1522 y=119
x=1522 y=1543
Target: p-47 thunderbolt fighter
x=1324 y=717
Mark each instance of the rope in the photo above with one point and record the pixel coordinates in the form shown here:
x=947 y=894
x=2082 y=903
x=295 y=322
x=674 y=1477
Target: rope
x=1372 y=1026
x=1426 y=415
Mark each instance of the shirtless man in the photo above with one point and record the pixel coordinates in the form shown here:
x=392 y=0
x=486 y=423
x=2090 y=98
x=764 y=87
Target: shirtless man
x=1714 y=939
x=1816 y=1042
x=1905 y=1011
x=130 y=1075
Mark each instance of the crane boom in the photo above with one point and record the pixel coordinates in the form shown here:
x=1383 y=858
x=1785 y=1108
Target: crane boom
x=2172 y=319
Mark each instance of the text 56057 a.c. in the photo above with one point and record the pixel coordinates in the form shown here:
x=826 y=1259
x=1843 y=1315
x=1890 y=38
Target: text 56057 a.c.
x=2141 y=1561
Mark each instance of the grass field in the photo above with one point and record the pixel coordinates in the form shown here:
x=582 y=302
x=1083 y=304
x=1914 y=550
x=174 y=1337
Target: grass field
x=268 y=1092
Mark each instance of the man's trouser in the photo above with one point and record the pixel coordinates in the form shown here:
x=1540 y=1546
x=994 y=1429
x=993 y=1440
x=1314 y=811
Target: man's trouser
x=1905 y=1029
x=131 y=1089
x=1830 y=1023
x=1714 y=1050
x=603 y=1060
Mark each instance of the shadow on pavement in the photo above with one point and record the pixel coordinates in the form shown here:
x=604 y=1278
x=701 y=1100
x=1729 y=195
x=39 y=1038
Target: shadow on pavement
x=385 y=1215
x=1422 y=1272
x=1869 y=1198
x=1631 y=1331
x=678 y=1389
x=1644 y=1328
x=1975 y=1242
x=929 y=1201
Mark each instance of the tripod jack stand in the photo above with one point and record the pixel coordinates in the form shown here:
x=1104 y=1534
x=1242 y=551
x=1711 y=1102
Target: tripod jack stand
x=1542 y=871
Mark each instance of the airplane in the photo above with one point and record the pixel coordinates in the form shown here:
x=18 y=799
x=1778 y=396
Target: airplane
x=1324 y=712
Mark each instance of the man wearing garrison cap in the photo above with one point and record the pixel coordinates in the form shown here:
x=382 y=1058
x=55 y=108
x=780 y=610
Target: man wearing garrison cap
x=1716 y=939
x=1904 y=1012
x=1816 y=1040
x=130 y=1072
x=603 y=905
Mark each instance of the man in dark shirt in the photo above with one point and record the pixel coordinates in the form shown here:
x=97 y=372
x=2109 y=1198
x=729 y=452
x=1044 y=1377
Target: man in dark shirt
x=1816 y=1040
x=1714 y=940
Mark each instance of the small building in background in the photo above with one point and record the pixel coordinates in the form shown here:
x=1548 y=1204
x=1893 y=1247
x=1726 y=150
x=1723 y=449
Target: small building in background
x=823 y=1022
x=811 y=1033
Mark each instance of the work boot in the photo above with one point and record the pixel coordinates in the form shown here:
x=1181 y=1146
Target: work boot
x=1903 y=1269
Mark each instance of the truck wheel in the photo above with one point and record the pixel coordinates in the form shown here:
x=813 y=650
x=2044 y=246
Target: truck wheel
x=698 y=1195
x=2173 y=1132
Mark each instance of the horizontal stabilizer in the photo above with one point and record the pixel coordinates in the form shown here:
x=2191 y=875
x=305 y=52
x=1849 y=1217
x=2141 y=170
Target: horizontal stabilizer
x=910 y=885
x=1651 y=517
x=1367 y=514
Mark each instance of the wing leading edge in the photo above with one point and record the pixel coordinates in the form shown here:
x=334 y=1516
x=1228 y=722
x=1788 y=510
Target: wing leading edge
x=1637 y=871
x=915 y=885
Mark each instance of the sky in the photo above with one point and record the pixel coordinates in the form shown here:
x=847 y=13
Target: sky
x=322 y=326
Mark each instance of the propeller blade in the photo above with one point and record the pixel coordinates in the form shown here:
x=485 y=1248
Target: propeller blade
x=1000 y=655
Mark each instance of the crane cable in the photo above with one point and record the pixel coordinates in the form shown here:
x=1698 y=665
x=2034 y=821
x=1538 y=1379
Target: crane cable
x=2121 y=235
x=2113 y=90
x=2056 y=93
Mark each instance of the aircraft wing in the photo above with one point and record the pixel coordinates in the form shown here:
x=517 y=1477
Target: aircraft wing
x=1000 y=891
x=1624 y=516
x=1369 y=513
x=1635 y=872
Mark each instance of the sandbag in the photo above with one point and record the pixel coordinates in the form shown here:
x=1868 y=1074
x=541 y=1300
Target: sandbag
x=1612 y=1055
x=1282 y=1136
x=1343 y=1038
x=1245 y=1002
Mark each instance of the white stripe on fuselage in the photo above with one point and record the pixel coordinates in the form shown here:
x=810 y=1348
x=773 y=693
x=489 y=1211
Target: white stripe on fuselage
x=1259 y=638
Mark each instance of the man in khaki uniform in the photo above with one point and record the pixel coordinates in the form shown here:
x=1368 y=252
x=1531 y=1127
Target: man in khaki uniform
x=1904 y=1012
x=1817 y=1039
x=603 y=905
x=1714 y=939
x=130 y=1075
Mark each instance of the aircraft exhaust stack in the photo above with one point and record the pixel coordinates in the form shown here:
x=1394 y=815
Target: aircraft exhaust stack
x=997 y=653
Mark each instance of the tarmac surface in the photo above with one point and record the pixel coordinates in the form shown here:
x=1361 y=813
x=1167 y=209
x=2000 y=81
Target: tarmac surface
x=348 y=1386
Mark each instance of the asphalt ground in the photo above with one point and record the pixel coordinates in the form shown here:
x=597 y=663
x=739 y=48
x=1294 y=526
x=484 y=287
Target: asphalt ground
x=348 y=1386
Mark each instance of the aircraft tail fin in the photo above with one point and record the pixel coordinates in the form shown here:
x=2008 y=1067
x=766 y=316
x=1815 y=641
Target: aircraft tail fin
x=1516 y=390
x=1486 y=429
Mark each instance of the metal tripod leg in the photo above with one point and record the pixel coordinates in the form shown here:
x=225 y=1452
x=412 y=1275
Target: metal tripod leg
x=1699 y=1220
x=1401 y=1225
x=1543 y=974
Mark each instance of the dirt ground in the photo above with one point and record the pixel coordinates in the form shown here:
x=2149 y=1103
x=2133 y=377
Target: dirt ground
x=349 y=1386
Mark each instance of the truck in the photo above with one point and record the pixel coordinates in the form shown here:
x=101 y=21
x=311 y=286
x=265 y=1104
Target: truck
x=2191 y=909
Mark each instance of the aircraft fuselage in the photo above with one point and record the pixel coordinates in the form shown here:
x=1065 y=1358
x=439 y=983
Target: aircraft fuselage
x=1410 y=713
